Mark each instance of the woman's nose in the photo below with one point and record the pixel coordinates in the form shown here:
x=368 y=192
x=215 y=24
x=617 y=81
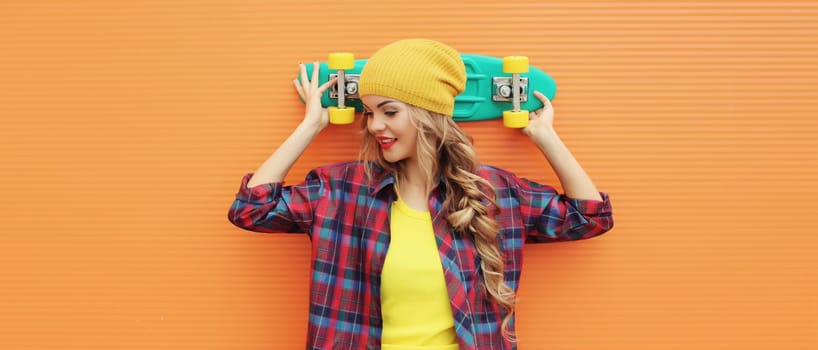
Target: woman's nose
x=376 y=123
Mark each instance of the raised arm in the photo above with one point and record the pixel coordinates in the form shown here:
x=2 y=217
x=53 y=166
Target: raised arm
x=575 y=182
x=316 y=119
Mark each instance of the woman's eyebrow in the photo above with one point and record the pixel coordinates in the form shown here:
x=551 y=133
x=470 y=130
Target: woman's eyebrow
x=379 y=104
x=384 y=102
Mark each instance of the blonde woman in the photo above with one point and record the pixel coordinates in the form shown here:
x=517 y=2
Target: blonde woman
x=417 y=245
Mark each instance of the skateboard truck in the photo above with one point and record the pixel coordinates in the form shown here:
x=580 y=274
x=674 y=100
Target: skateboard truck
x=350 y=85
x=515 y=118
x=502 y=89
x=342 y=61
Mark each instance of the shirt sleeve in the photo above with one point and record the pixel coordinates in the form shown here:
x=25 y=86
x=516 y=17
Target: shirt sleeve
x=273 y=207
x=553 y=217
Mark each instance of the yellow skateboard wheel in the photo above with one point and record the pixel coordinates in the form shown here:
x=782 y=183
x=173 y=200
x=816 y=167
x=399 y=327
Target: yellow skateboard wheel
x=515 y=120
x=515 y=64
x=341 y=115
x=341 y=60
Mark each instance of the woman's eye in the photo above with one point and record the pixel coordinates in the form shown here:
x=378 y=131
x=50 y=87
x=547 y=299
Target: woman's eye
x=391 y=113
x=367 y=114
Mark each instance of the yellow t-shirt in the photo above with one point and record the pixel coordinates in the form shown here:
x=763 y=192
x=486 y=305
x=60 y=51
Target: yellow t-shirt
x=414 y=299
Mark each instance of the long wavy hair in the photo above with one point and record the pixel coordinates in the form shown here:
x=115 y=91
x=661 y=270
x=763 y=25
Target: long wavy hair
x=444 y=149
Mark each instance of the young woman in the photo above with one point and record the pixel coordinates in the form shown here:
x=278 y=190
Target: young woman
x=417 y=245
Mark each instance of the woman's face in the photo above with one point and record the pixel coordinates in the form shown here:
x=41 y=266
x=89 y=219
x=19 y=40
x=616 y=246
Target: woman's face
x=388 y=121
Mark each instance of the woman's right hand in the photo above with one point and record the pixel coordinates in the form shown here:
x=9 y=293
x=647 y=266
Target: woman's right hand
x=315 y=116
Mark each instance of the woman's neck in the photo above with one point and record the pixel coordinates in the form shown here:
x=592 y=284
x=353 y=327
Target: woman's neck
x=413 y=186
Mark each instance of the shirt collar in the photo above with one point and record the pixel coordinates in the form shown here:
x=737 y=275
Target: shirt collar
x=382 y=178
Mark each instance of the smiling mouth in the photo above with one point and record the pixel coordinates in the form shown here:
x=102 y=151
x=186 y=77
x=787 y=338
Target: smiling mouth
x=386 y=142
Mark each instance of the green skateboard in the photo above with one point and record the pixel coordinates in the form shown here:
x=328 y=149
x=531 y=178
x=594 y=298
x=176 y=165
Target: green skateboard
x=489 y=94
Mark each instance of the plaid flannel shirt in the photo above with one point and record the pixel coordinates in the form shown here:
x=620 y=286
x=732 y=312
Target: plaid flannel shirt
x=347 y=219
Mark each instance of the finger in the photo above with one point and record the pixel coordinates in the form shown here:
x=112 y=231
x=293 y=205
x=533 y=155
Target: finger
x=314 y=81
x=305 y=83
x=540 y=96
x=298 y=88
x=545 y=101
x=327 y=85
x=534 y=115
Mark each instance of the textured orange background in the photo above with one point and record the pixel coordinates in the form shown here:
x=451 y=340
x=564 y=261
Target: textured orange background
x=125 y=128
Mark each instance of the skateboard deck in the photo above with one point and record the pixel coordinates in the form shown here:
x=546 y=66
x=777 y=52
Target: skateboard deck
x=482 y=99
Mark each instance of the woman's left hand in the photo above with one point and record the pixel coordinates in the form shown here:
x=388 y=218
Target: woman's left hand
x=541 y=120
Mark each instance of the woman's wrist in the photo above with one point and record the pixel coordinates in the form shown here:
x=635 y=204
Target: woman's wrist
x=310 y=129
x=544 y=136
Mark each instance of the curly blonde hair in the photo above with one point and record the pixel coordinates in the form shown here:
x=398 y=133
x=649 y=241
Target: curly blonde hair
x=443 y=148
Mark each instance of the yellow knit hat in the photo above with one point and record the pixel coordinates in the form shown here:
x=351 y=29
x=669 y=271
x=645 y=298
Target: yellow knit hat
x=420 y=72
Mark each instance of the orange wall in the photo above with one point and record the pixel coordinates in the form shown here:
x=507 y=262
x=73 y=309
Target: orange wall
x=126 y=127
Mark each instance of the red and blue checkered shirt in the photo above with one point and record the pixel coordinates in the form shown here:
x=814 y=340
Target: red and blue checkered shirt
x=347 y=219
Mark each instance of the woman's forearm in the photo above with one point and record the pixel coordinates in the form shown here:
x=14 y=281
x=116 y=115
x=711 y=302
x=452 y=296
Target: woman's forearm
x=575 y=182
x=276 y=167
